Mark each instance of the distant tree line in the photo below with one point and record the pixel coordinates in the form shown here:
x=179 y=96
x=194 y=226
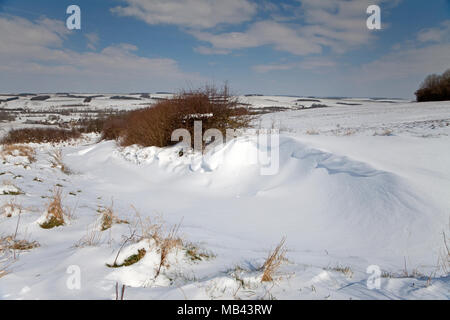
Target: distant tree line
x=435 y=88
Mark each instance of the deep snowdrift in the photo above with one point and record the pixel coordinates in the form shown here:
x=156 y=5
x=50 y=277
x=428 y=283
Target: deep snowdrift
x=319 y=200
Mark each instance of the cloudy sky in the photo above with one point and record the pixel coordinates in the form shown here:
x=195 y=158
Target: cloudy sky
x=297 y=47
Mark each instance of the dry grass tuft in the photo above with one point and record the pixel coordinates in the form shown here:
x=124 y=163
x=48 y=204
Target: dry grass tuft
x=55 y=211
x=166 y=244
x=3 y=267
x=11 y=208
x=385 y=133
x=444 y=255
x=197 y=254
x=92 y=238
x=18 y=151
x=346 y=271
x=11 y=189
x=3 y=272
x=56 y=160
x=152 y=230
x=109 y=218
x=312 y=132
x=274 y=260
x=10 y=243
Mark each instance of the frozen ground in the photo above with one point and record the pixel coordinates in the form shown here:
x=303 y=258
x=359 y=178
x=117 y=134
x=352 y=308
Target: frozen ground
x=361 y=183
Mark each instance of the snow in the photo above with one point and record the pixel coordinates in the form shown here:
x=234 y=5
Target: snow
x=371 y=186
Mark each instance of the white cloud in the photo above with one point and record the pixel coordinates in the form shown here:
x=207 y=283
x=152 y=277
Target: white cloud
x=307 y=64
x=189 y=13
x=92 y=40
x=337 y=24
x=341 y=24
x=435 y=34
x=281 y=36
x=409 y=62
x=265 y=68
x=34 y=51
x=428 y=52
x=210 y=51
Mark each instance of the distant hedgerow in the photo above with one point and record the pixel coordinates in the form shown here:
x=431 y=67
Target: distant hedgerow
x=39 y=135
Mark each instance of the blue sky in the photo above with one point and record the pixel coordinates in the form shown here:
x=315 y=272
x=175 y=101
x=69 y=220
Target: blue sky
x=298 y=47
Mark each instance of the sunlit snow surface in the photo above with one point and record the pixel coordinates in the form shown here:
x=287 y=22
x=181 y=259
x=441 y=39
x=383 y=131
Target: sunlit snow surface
x=360 y=183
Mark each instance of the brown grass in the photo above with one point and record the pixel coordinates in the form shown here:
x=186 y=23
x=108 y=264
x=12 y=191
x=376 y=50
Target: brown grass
x=10 y=207
x=55 y=211
x=10 y=243
x=150 y=228
x=385 y=133
x=154 y=126
x=18 y=150
x=3 y=271
x=312 y=132
x=166 y=244
x=4 y=266
x=197 y=254
x=346 y=271
x=56 y=161
x=92 y=238
x=12 y=185
x=109 y=218
x=274 y=260
x=154 y=230
x=39 y=135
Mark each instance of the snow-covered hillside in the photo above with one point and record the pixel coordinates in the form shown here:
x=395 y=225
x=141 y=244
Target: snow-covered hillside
x=361 y=183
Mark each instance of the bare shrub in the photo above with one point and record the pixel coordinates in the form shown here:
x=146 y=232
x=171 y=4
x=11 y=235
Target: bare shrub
x=39 y=135
x=131 y=238
x=55 y=211
x=114 y=127
x=18 y=151
x=274 y=260
x=154 y=126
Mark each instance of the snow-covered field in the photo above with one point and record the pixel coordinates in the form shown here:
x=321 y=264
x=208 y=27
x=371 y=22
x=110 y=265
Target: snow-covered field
x=362 y=183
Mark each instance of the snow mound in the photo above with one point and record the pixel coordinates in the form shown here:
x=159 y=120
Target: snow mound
x=319 y=200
